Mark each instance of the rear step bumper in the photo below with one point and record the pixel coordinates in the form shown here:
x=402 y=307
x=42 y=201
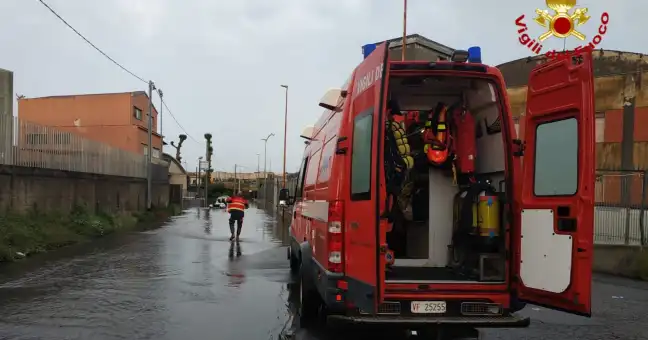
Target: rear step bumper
x=511 y=321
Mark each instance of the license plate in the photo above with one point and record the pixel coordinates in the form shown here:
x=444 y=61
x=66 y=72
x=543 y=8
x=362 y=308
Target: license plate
x=428 y=307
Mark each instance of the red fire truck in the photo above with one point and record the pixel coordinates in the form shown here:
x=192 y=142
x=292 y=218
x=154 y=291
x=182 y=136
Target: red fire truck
x=417 y=204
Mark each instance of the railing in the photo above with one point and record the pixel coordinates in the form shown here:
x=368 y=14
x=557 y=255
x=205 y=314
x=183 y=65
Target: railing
x=621 y=212
x=268 y=193
x=37 y=146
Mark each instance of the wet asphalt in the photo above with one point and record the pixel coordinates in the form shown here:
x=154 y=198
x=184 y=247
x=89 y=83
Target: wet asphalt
x=185 y=280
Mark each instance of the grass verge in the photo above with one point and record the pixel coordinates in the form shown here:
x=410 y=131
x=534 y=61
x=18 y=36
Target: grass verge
x=22 y=235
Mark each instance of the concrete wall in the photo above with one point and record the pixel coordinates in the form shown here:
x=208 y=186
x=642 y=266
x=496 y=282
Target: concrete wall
x=53 y=190
x=617 y=260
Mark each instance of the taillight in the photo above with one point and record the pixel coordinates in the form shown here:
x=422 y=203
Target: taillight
x=335 y=237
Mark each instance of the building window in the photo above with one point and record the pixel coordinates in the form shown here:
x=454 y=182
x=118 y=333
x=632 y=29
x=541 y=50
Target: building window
x=156 y=153
x=137 y=113
x=145 y=149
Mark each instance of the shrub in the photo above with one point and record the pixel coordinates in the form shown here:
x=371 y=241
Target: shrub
x=35 y=232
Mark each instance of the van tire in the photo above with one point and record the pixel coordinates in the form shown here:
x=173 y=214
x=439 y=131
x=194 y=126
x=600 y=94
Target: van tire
x=309 y=302
x=294 y=261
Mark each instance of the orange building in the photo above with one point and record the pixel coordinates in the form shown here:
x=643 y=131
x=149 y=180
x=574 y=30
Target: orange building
x=116 y=119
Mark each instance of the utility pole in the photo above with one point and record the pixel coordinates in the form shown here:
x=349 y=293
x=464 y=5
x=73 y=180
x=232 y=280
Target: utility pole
x=285 y=135
x=258 y=173
x=404 y=28
x=265 y=172
x=199 y=175
x=161 y=109
x=237 y=181
x=149 y=160
x=209 y=150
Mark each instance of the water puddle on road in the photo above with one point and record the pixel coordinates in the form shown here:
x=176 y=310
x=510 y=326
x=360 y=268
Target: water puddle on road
x=185 y=280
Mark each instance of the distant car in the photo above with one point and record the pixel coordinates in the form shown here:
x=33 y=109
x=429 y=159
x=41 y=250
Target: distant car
x=221 y=202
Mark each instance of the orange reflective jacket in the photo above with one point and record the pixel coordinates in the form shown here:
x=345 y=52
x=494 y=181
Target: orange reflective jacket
x=236 y=203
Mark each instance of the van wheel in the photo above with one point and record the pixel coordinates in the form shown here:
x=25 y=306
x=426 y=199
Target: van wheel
x=309 y=302
x=294 y=261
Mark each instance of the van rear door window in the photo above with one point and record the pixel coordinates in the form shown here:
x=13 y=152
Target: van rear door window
x=556 y=163
x=361 y=156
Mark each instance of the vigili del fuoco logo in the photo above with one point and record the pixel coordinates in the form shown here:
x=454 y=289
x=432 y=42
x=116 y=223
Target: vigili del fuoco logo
x=562 y=21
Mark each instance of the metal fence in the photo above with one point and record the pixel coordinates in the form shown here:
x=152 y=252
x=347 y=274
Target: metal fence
x=32 y=145
x=268 y=194
x=620 y=214
x=621 y=208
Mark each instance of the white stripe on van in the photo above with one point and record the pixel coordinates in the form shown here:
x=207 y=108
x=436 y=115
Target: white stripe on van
x=316 y=209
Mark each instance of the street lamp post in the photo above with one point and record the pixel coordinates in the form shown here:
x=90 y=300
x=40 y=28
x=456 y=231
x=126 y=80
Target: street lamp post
x=265 y=171
x=199 y=176
x=258 y=172
x=283 y=186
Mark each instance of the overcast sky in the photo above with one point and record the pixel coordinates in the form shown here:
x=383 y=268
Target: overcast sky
x=221 y=63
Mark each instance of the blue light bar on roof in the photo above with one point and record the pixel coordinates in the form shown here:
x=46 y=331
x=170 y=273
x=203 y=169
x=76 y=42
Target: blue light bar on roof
x=367 y=49
x=474 y=55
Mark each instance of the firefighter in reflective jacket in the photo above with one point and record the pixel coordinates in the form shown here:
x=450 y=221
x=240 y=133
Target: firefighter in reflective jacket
x=236 y=208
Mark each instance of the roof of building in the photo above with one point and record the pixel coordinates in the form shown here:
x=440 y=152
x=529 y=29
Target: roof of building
x=421 y=40
x=133 y=93
x=606 y=63
x=172 y=159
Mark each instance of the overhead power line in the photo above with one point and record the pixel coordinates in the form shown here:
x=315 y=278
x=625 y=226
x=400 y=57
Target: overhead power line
x=91 y=44
x=114 y=62
x=174 y=118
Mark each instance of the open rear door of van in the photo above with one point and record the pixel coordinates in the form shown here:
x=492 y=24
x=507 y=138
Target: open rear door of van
x=363 y=239
x=554 y=249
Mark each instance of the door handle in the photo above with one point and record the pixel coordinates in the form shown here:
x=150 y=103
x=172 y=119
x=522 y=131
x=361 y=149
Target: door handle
x=354 y=225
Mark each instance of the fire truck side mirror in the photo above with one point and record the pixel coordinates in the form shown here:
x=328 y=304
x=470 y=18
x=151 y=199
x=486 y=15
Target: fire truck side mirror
x=284 y=194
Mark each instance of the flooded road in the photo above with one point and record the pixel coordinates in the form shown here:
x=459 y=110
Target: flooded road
x=187 y=281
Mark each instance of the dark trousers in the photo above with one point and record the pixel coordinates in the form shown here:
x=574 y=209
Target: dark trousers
x=236 y=216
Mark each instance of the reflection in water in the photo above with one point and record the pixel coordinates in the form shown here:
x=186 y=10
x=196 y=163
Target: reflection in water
x=276 y=224
x=239 y=251
x=235 y=270
x=208 y=222
x=171 y=283
x=292 y=311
